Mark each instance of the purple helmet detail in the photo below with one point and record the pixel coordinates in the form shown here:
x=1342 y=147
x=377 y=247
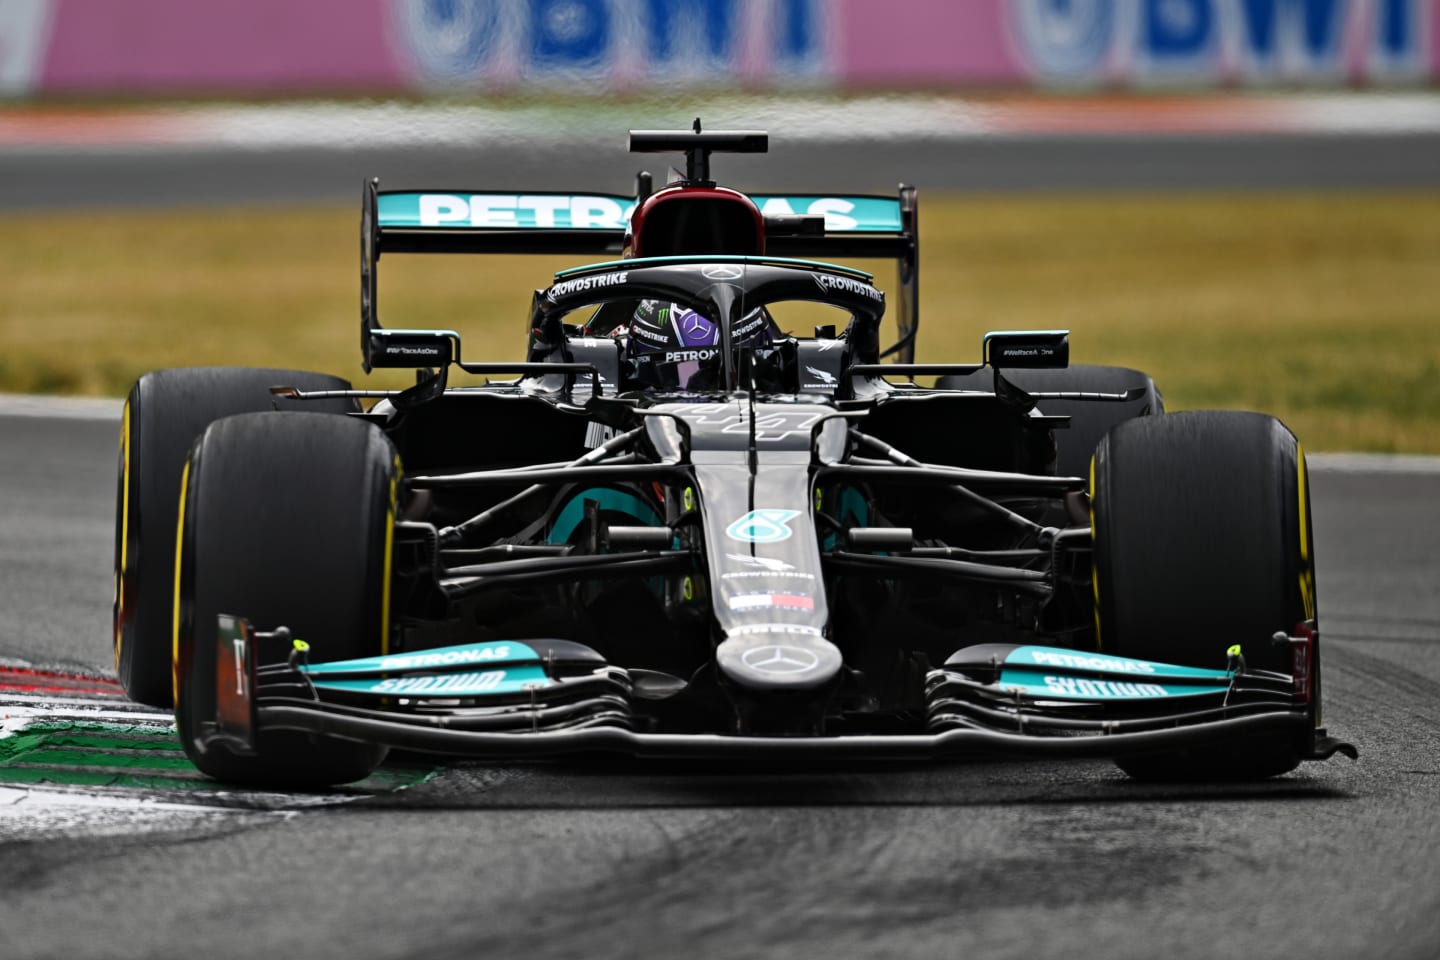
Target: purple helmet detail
x=696 y=331
x=673 y=346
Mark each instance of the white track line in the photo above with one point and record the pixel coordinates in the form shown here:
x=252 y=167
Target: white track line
x=97 y=711
x=60 y=408
x=1407 y=463
x=60 y=700
x=800 y=119
x=46 y=796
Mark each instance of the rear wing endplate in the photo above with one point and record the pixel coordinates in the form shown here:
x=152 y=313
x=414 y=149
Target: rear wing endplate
x=458 y=221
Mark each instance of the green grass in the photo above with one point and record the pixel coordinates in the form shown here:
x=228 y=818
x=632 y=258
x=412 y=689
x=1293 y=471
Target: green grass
x=1321 y=308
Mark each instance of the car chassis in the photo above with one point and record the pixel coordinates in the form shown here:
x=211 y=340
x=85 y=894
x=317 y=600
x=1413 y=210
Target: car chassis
x=837 y=566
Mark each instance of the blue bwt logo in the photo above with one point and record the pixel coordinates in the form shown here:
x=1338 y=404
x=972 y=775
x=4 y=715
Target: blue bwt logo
x=1064 y=39
x=762 y=526
x=461 y=41
x=1098 y=40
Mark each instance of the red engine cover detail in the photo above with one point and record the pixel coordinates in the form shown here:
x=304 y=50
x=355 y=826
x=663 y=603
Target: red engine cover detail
x=684 y=220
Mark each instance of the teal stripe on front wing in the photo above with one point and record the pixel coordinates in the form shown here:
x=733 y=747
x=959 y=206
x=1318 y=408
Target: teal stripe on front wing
x=1054 y=658
x=1061 y=687
x=469 y=654
x=472 y=683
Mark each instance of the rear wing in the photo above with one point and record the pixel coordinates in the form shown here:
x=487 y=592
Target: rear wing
x=814 y=226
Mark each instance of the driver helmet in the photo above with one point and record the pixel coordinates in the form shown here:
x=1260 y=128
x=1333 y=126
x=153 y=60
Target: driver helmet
x=672 y=346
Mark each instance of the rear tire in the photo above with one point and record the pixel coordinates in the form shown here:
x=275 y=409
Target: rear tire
x=1202 y=540
x=1089 y=419
x=165 y=412
x=287 y=522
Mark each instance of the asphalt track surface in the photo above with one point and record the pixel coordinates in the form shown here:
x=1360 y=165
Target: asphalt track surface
x=91 y=179
x=983 y=859
x=980 y=859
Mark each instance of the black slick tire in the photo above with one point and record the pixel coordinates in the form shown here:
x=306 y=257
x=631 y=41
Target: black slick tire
x=1202 y=540
x=287 y=521
x=164 y=413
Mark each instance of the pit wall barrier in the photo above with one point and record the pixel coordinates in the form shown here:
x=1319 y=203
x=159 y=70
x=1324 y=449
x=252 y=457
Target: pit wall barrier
x=247 y=47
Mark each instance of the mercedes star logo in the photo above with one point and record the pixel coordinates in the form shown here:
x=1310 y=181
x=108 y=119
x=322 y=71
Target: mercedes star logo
x=721 y=272
x=696 y=324
x=775 y=659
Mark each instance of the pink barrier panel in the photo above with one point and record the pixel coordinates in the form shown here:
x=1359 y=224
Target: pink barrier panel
x=1434 y=42
x=303 y=46
x=928 y=44
x=219 y=45
x=111 y=46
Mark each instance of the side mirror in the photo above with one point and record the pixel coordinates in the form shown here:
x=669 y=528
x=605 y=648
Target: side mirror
x=411 y=348
x=1014 y=349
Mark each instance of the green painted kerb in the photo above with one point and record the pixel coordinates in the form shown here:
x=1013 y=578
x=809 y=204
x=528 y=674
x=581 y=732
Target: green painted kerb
x=144 y=756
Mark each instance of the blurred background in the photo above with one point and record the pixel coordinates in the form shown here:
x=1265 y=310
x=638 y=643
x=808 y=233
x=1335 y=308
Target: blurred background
x=1241 y=197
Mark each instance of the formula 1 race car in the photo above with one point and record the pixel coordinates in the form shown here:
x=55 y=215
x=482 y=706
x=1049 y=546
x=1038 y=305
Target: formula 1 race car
x=683 y=530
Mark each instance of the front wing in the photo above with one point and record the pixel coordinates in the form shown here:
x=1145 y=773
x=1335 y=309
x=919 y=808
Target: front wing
x=514 y=700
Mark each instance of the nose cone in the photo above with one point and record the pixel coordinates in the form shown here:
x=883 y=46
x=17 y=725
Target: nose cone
x=778 y=660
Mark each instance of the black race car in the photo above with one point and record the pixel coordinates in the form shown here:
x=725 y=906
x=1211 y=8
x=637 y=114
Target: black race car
x=684 y=530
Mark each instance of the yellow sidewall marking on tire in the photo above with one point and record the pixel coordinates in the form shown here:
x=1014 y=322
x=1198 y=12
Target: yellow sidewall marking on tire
x=124 y=529
x=1307 y=566
x=389 y=551
x=175 y=614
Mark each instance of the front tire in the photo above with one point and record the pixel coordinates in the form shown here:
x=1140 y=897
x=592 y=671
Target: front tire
x=1203 y=540
x=164 y=413
x=287 y=521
